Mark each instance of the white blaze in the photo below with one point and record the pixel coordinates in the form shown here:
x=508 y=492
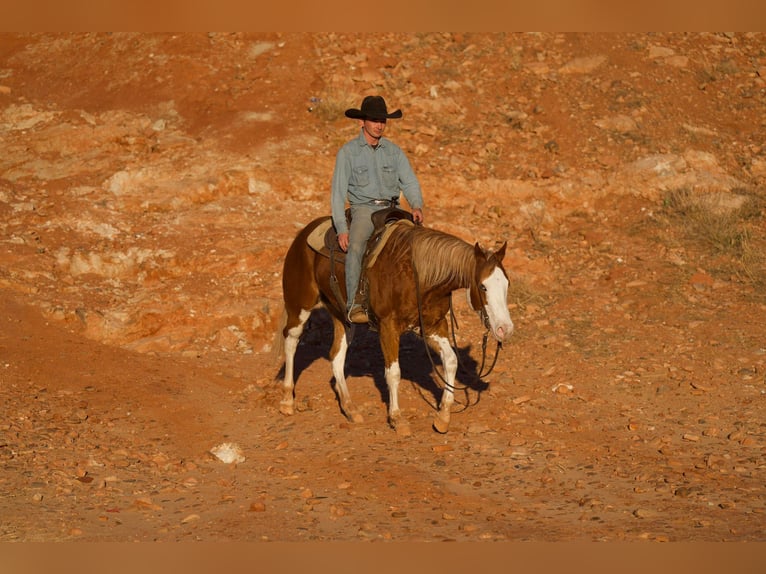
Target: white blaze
x=497 y=307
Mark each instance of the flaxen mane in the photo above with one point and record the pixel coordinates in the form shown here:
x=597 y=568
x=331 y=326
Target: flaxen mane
x=438 y=257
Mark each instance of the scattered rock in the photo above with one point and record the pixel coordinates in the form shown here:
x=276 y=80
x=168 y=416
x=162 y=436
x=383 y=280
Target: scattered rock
x=660 y=52
x=584 y=65
x=644 y=513
x=258 y=506
x=228 y=452
x=618 y=123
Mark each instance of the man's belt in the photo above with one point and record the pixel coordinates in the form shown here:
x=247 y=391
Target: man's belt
x=385 y=202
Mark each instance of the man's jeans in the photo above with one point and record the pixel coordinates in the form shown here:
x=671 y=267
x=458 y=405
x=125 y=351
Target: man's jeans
x=359 y=232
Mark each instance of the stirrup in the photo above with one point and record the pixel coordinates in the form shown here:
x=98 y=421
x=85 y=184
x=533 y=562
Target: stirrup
x=357 y=315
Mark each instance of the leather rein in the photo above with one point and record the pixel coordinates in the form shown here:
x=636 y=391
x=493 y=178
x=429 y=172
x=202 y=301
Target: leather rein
x=453 y=324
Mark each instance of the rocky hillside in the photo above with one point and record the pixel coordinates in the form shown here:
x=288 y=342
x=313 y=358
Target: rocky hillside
x=150 y=185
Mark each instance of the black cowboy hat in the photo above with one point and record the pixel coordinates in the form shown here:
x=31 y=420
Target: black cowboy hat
x=373 y=108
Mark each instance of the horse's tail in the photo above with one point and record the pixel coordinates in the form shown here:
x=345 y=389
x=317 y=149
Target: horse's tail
x=278 y=346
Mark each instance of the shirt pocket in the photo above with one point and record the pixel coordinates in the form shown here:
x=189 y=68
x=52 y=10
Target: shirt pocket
x=389 y=177
x=360 y=176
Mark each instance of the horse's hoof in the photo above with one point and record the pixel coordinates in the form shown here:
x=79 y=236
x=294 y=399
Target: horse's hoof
x=286 y=408
x=440 y=425
x=354 y=417
x=401 y=426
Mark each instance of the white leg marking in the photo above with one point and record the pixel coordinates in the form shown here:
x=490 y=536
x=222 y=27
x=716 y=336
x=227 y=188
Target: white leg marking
x=449 y=362
x=291 y=346
x=338 y=364
x=393 y=378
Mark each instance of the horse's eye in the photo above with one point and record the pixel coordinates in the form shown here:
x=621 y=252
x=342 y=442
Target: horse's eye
x=483 y=288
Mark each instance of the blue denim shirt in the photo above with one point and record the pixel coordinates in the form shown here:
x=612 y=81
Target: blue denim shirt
x=363 y=174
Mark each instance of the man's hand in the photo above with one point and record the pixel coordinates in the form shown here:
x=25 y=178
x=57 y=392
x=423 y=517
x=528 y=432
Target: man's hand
x=343 y=241
x=417 y=216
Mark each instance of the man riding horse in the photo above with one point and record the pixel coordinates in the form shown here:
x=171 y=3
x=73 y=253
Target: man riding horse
x=370 y=171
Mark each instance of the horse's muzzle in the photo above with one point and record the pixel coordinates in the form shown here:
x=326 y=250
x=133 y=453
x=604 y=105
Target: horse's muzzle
x=502 y=332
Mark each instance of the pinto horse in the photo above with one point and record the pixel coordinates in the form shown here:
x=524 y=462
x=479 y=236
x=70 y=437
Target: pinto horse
x=410 y=286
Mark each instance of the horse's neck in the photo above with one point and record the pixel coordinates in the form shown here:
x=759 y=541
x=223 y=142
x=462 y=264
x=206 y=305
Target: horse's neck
x=450 y=265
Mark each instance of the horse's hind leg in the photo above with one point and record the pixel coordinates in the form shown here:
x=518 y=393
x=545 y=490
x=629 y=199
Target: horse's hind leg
x=291 y=335
x=389 y=343
x=338 y=357
x=449 y=362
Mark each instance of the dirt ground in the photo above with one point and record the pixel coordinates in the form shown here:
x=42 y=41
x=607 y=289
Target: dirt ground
x=151 y=184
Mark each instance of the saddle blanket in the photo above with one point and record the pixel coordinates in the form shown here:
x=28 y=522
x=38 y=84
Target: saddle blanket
x=317 y=242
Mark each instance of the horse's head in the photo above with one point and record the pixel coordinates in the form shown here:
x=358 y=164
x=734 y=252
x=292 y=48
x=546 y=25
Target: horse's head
x=488 y=293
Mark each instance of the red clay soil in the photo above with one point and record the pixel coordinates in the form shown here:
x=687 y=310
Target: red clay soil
x=151 y=184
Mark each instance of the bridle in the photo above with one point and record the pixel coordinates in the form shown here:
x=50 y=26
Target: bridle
x=484 y=317
x=487 y=328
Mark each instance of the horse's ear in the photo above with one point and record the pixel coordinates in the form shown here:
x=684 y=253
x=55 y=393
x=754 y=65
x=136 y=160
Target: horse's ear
x=478 y=250
x=500 y=253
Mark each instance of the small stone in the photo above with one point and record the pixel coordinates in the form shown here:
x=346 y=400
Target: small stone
x=619 y=123
x=228 y=452
x=518 y=452
x=583 y=65
x=190 y=482
x=735 y=435
x=677 y=61
x=477 y=428
x=644 y=513
x=337 y=511
x=190 y=518
x=258 y=507
x=146 y=503
x=660 y=52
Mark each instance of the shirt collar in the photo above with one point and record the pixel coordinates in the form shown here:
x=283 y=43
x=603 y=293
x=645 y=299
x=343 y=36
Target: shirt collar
x=363 y=141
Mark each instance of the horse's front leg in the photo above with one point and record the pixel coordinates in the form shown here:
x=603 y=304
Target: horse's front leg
x=389 y=343
x=449 y=364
